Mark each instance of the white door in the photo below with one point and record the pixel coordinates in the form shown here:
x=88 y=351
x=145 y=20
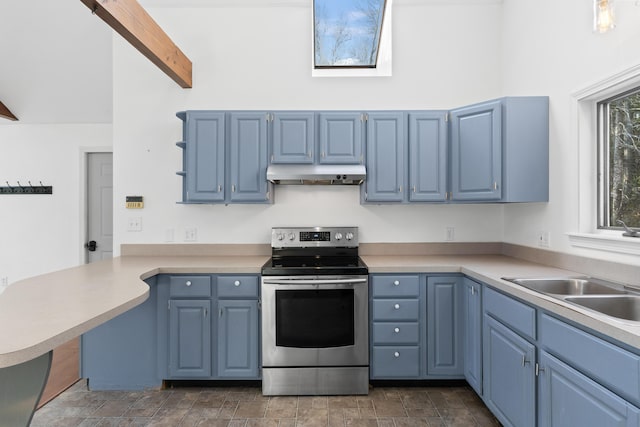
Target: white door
x=99 y=206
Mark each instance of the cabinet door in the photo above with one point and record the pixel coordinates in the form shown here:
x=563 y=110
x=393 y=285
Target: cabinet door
x=293 y=137
x=568 y=398
x=508 y=375
x=340 y=137
x=189 y=338
x=248 y=157
x=238 y=342
x=205 y=153
x=476 y=152
x=427 y=156
x=472 y=334
x=444 y=331
x=386 y=157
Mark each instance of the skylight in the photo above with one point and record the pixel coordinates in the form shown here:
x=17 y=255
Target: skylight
x=347 y=33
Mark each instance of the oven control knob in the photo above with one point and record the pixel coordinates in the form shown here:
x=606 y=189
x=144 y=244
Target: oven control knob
x=349 y=236
x=292 y=236
x=280 y=236
x=338 y=236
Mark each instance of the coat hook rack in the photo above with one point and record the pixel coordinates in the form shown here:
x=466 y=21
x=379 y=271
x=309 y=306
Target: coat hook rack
x=26 y=189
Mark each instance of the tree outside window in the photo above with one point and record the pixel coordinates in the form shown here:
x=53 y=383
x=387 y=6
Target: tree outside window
x=347 y=33
x=620 y=161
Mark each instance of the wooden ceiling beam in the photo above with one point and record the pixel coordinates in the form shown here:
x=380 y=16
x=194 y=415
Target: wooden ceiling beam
x=6 y=114
x=129 y=19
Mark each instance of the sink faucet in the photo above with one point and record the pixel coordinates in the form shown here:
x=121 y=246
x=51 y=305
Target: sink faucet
x=629 y=232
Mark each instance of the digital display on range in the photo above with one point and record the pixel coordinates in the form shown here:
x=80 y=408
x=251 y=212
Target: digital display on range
x=315 y=236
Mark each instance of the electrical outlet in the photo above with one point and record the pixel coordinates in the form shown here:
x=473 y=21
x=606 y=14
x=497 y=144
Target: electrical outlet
x=134 y=224
x=4 y=282
x=190 y=234
x=543 y=239
x=450 y=234
x=169 y=235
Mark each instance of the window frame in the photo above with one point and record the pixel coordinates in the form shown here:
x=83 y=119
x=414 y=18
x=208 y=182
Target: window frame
x=586 y=234
x=384 y=56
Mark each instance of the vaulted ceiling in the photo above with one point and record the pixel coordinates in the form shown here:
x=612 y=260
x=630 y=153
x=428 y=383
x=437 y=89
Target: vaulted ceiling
x=54 y=51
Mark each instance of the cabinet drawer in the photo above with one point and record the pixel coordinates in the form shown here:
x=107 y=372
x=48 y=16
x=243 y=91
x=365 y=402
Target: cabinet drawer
x=237 y=286
x=395 y=286
x=396 y=333
x=395 y=309
x=396 y=362
x=518 y=316
x=606 y=363
x=190 y=286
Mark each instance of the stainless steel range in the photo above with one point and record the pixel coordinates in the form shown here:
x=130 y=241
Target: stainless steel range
x=315 y=334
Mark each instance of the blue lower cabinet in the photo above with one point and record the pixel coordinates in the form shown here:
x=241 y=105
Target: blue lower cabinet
x=509 y=387
x=396 y=362
x=237 y=339
x=472 y=333
x=568 y=398
x=189 y=338
x=444 y=326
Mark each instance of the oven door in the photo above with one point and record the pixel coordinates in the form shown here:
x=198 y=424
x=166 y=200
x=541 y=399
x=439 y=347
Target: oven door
x=315 y=321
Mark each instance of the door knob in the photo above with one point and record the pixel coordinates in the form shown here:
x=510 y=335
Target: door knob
x=91 y=246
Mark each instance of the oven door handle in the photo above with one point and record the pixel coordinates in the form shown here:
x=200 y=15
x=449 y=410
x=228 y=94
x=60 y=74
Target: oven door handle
x=311 y=281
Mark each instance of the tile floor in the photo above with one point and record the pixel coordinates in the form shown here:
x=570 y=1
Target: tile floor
x=246 y=407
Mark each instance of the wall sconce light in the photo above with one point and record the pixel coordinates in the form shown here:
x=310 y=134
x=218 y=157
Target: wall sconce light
x=603 y=16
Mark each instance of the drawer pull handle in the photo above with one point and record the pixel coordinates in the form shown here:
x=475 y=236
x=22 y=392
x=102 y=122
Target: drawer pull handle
x=396 y=330
x=188 y=283
x=396 y=306
x=236 y=283
x=524 y=360
x=396 y=282
x=396 y=354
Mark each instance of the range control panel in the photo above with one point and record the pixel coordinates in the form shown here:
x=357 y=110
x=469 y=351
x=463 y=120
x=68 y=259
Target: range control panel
x=300 y=237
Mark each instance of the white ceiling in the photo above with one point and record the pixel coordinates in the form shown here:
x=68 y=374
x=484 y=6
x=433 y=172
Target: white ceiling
x=56 y=62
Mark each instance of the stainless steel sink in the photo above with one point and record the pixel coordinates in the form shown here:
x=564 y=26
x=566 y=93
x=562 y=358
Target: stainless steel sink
x=626 y=307
x=569 y=286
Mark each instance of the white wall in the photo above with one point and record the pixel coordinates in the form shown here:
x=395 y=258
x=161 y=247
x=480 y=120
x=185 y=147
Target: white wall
x=549 y=48
x=249 y=56
x=43 y=233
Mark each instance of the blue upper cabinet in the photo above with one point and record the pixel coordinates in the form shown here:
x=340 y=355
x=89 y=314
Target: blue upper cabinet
x=293 y=137
x=204 y=144
x=500 y=151
x=386 y=154
x=340 y=137
x=225 y=157
x=427 y=156
x=476 y=152
x=248 y=157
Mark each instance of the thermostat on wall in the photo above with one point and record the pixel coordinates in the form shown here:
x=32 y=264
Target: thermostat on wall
x=135 y=202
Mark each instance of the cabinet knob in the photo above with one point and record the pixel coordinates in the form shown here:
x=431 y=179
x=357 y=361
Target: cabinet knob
x=396 y=354
x=396 y=330
x=188 y=283
x=396 y=306
x=396 y=282
x=236 y=283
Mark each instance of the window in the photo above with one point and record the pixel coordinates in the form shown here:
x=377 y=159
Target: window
x=619 y=161
x=347 y=33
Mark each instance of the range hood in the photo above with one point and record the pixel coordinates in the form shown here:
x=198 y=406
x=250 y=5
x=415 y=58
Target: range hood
x=316 y=174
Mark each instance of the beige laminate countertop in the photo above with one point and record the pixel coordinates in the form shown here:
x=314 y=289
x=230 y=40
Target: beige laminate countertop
x=40 y=313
